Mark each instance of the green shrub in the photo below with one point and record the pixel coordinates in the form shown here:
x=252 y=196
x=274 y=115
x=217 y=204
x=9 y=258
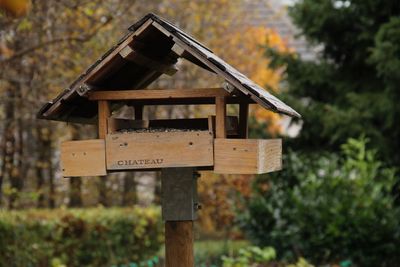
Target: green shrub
x=81 y=237
x=250 y=256
x=208 y=253
x=259 y=257
x=328 y=208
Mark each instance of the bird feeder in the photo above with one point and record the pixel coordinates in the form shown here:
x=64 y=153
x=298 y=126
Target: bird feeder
x=152 y=47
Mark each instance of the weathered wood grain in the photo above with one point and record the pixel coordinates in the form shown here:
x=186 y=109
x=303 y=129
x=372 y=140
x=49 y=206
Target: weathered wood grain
x=161 y=66
x=179 y=244
x=220 y=117
x=157 y=94
x=103 y=114
x=159 y=150
x=83 y=158
x=247 y=156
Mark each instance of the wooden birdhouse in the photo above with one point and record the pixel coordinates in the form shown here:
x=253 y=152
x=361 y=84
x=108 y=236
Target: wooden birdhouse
x=178 y=147
x=152 y=47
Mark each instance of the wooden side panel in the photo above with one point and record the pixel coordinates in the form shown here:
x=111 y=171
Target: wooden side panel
x=247 y=156
x=236 y=156
x=159 y=150
x=83 y=158
x=270 y=155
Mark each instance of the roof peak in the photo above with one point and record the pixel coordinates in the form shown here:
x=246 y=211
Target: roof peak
x=139 y=58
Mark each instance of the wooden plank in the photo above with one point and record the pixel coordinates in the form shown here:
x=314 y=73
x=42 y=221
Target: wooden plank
x=92 y=73
x=143 y=27
x=234 y=77
x=161 y=66
x=243 y=117
x=177 y=50
x=270 y=155
x=103 y=114
x=211 y=126
x=83 y=158
x=188 y=101
x=115 y=52
x=247 y=156
x=220 y=117
x=157 y=94
x=161 y=28
x=159 y=150
x=179 y=244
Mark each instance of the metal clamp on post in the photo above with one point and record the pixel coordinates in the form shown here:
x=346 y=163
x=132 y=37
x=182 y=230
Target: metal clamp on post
x=179 y=194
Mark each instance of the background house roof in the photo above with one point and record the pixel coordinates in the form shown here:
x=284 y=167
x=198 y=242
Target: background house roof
x=150 y=48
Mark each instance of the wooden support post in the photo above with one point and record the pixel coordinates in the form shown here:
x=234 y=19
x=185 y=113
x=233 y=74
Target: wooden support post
x=104 y=113
x=220 y=117
x=243 y=117
x=179 y=244
x=179 y=210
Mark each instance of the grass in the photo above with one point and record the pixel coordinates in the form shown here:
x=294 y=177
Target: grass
x=207 y=253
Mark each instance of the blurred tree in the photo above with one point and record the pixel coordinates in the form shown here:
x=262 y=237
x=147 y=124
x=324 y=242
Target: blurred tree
x=61 y=44
x=223 y=26
x=328 y=207
x=350 y=89
x=67 y=36
x=15 y=7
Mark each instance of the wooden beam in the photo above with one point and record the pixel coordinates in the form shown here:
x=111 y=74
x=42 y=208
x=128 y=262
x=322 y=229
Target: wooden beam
x=56 y=107
x=161 y=66
x=243 y=118
x=177 y=50
x=189 y=101
x=104 y=113
x=220 y=115
x=158 y=94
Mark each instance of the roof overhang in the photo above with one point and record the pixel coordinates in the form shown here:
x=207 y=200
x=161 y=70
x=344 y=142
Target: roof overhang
x=150 y=48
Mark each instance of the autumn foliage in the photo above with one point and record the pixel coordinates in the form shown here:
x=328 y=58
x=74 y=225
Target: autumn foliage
x=65 y=37
x=16 y=8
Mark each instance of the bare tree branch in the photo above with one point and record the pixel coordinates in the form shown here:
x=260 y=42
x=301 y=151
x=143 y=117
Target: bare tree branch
x=31 y=49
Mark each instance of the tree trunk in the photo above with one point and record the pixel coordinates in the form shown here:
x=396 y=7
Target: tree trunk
x=52 y=203
x=129 y=196
x=75 y=192
x=10 y=171
x=40 y=164
x=44 y=170
x=75 y=183
x=102 y=187
x=157 y=189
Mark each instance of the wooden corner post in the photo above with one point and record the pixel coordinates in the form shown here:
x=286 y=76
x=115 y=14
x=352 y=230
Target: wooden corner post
x=179 y=210
x=220 y=117
x=243 y=118
x=103 y=114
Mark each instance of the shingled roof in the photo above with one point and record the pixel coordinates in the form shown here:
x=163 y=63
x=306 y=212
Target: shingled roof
x=152 y=40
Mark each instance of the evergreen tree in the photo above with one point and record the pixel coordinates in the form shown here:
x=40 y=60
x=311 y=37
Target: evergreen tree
x=352 y=88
